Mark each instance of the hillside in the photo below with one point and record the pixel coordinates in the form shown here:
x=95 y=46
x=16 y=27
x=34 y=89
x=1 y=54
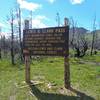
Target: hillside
x=78 y=30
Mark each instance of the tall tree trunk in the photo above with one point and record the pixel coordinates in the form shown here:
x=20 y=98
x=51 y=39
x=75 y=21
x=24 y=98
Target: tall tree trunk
x=0 y=53
x=12 y=40
x=93 y=39
x=19 y=24
x=0 y=43
x=92 y=47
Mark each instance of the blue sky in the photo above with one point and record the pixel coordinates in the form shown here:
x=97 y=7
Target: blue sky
x=44 y=12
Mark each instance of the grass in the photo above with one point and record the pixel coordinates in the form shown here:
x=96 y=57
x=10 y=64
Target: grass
x=85 y=77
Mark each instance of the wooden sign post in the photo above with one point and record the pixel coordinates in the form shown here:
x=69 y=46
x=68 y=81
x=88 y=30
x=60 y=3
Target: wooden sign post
x=27 y=58
x=53 y=41
x=27 y=66
x=66 y=63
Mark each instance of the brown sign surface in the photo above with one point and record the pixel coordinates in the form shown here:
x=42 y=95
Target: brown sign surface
x=46 y=41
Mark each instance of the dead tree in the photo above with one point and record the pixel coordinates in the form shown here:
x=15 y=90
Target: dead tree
x=81 y=46
x=0 y=43
x=58 y=19
x=78 y=41
x=73 y=25
x=93 y=36
x=19 y=28
x=4 y=46
x=0 y=53
x=31 y=15
x=12 y=38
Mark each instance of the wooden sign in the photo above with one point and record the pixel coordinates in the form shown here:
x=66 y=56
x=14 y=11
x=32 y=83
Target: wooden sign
x=46 y=41
x=52 y=41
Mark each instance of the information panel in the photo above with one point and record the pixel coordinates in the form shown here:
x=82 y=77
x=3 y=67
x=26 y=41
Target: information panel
x=46 y=41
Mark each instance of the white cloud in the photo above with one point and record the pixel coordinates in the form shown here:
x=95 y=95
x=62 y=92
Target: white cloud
x=4 y=28
x=51 y=1
x=38 y=21
x=29 y=5
x=76 y=1
x=2 y=25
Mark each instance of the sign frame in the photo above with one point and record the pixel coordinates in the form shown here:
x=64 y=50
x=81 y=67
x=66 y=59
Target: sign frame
x=26 y=53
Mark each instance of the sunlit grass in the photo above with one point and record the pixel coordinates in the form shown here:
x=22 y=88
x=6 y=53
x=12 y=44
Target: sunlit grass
x=85 y=76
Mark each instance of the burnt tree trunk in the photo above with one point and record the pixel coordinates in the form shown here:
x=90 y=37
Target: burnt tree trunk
x=0 y=53
x=12 y=40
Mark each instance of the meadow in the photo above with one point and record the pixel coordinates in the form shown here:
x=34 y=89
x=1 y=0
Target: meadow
x=47 y=73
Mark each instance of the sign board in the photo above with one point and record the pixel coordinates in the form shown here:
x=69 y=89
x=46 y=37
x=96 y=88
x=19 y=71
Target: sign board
x=46 y=41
